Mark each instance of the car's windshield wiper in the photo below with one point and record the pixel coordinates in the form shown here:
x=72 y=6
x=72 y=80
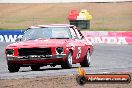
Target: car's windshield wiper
x=36 y=38
x=59 y=38
x=30 y=39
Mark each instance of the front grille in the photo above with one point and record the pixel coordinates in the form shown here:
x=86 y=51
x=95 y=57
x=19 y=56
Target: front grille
x=34 y=51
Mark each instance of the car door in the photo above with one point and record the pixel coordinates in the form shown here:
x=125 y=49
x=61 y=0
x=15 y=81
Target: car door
x=78 y=53
x=82 y=44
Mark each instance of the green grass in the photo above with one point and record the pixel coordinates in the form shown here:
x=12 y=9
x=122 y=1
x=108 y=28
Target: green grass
x=13 y=28
x=106 y=16
x=97 y=29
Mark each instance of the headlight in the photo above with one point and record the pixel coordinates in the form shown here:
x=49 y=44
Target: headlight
x=9 y=51
x=59 y=50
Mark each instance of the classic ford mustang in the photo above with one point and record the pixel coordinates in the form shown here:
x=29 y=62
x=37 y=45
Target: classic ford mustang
x=56 y=44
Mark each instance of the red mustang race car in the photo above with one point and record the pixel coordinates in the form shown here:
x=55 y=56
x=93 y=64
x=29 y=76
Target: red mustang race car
x=49 y=45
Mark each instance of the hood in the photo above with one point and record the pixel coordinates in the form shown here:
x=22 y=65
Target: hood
x=39 y=43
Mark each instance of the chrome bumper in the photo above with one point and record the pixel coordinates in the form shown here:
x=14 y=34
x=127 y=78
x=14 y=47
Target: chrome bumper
x=36 y=57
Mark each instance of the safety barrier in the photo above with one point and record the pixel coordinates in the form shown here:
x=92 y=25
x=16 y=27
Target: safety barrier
x=107 y=37
x=10 y=35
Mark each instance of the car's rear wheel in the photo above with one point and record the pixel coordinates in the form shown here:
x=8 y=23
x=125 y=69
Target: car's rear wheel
x=86 y=61
x=13 y=68
x=35 y=68
x=68 y=62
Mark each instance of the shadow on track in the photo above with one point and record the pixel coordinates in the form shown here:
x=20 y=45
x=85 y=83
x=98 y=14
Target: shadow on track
x=49 y=69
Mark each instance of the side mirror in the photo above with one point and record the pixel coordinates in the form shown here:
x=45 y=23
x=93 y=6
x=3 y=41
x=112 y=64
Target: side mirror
x=18 y=40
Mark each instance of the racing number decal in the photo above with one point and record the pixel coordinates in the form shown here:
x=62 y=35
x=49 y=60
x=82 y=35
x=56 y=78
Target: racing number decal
x=79 y=53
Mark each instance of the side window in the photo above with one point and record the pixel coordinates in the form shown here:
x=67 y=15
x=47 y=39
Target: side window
x=73 y=34
x=78 y=34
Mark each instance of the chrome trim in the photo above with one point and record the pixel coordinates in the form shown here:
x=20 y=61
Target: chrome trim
x=36 y=57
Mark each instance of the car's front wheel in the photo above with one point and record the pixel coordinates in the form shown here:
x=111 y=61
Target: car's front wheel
x=13 y=68
x=68 y=62
x=86 y=61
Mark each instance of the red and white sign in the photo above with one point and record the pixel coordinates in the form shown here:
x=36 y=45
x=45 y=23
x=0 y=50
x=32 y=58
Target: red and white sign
x=121 y=37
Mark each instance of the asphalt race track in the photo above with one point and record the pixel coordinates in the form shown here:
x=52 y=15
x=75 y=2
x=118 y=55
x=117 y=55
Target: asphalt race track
x=106 y=58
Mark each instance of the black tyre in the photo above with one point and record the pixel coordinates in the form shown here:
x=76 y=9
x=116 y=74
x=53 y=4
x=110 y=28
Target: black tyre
x=13 y=68
x=86 y=61
x=68 y=63
x=81 y=80
x=35 y=68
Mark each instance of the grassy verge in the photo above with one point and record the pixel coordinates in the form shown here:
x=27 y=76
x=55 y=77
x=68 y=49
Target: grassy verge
x=106 y=16
x=97 y=29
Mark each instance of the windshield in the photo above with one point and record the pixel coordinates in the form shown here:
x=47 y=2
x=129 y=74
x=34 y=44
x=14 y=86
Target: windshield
x=50 y=32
